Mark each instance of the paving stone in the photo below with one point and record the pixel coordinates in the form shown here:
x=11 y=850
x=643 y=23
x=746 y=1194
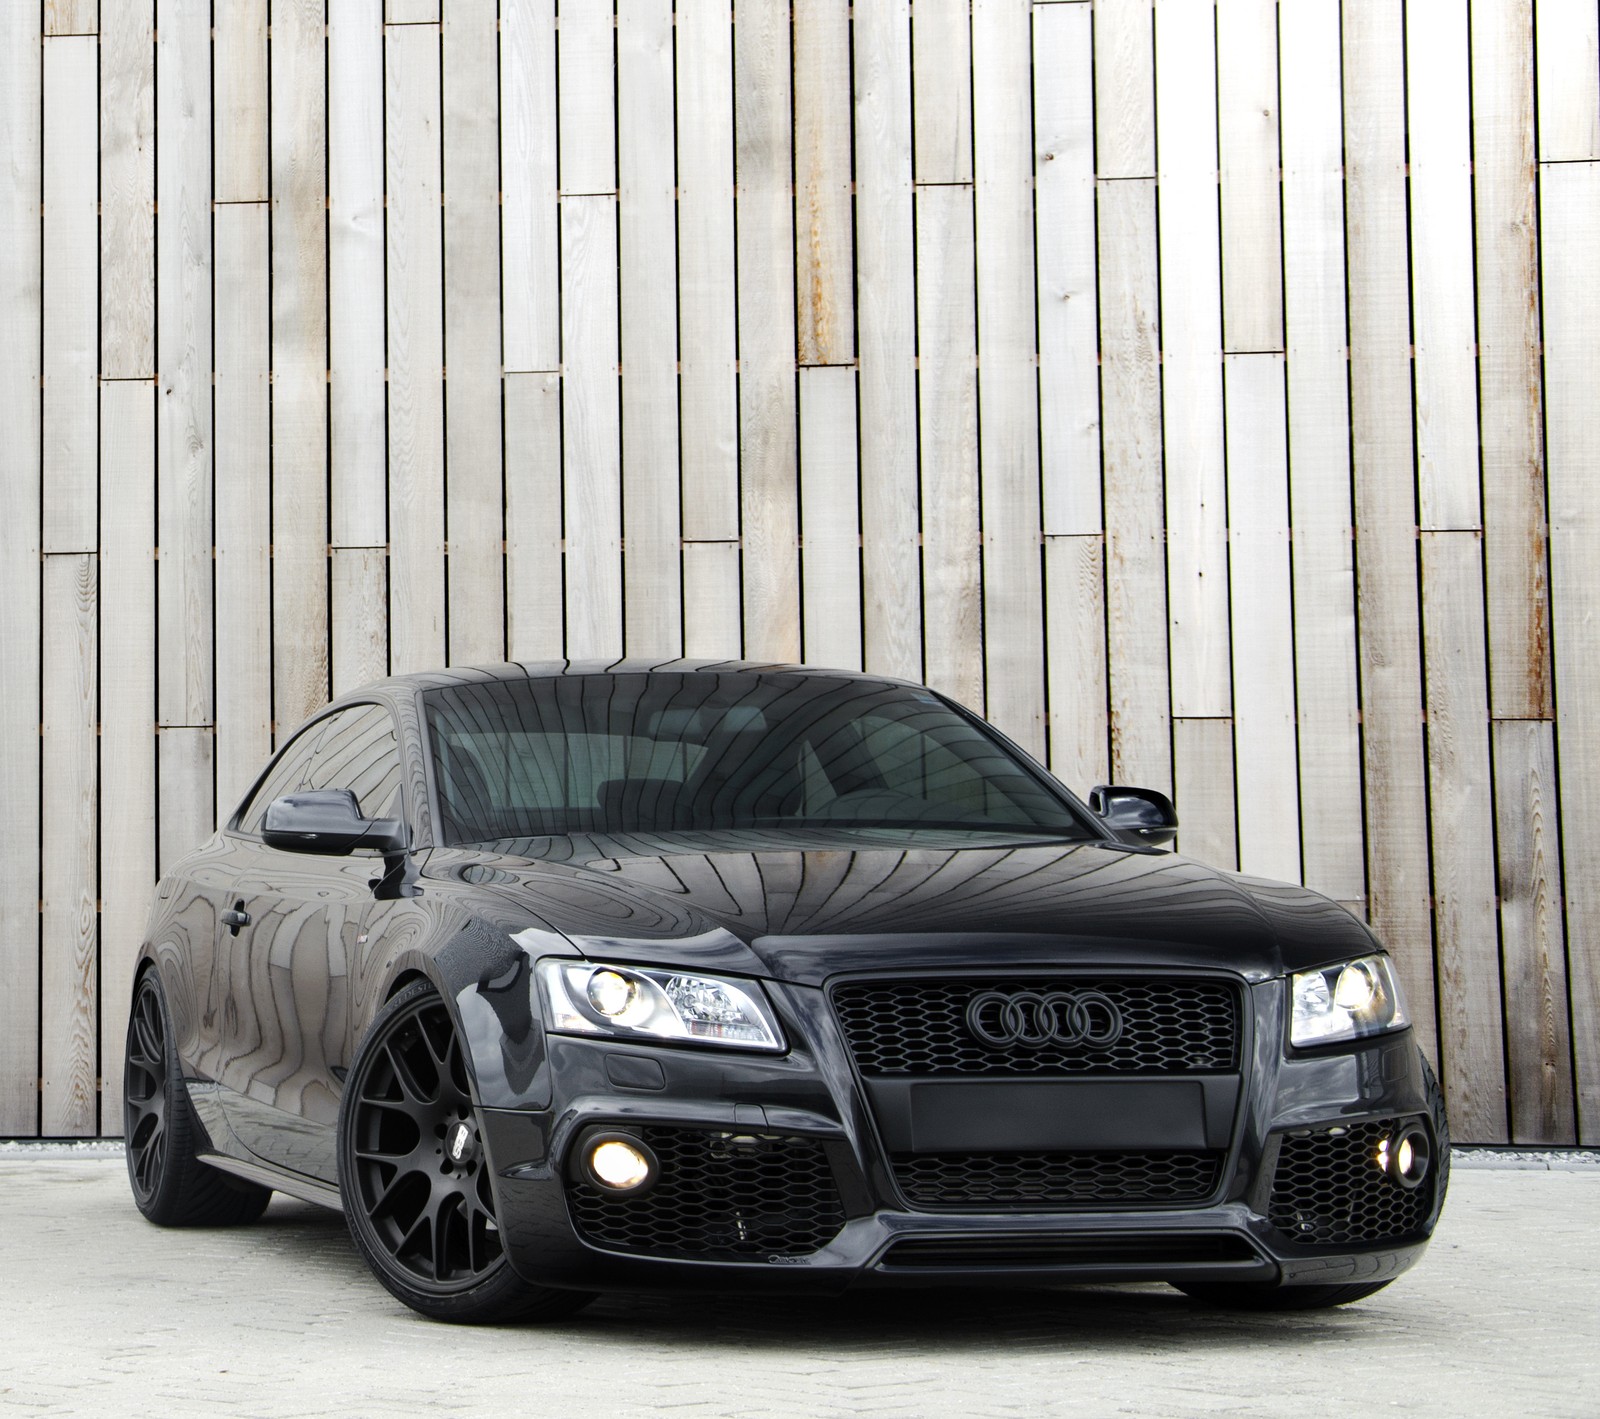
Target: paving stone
x=102 y=1314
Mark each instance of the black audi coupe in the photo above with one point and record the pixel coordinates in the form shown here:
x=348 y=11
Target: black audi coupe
x=578 y=977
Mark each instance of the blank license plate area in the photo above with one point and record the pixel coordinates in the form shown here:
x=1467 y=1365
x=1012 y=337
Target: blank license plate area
x=1053 y=1115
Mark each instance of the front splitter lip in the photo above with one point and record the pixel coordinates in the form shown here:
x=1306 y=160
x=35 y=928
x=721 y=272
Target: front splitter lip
x=860 y=1256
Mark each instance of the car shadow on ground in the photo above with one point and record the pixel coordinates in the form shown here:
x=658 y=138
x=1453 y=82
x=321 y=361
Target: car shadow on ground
x=958 y=1321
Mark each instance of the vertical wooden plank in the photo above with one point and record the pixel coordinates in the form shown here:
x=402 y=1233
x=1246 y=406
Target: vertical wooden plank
x=824 y=255
x=652 y=588
x=886 y=315
x=1008 y=378
x=183 y=434
x=1509 y=378
x=185 y=792
x=1191 y=360
x=529 y=226
x=591 y=476
x=1203 y=759
x=1385 y=493
x=830 y=528
x=1332 y=844
x=1568 y=80
x=767 y=453
x=1069 y=337
x=21 y=184
x=952 y=578
x=1569 y=198
x=1463 y=836
x=357 y=474
x=360 y=617
x=355 y=272
x=244 y=497
x=1124 y=93
x=941 y=46
x=299 y=362
x=710 y=612
x=707 y=328
x=1438 y=146
x=1528 y=841
x=586 y=96
x=128 y=192
x=534 y=613
x=1247 y=124
x=412 y=12
x=71 y=17
x=239 y=54
x=1075 y=654
x=1263 y=627
x=474 y=487
x=1130 y=390
x=71 y=290
x=68 y=986
x=415 y=348
x=127 y=674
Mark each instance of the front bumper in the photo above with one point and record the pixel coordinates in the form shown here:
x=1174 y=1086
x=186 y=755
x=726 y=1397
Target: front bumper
x=812 y=1100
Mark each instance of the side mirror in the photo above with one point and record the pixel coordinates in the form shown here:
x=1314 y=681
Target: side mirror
x=328 y=821
x=1140 y=814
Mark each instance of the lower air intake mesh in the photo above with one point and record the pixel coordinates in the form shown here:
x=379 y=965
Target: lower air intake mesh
x=1330 y=1190
x=979 y=1180
x=718 y=1196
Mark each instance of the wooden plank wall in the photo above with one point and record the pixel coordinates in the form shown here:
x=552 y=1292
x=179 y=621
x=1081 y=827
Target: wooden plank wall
x=1202 y=388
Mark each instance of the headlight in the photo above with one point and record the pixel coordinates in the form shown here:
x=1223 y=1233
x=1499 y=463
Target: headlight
x=1346 y=1002
x=584 y=998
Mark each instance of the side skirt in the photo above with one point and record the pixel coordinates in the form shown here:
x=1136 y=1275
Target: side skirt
x=306 y=1189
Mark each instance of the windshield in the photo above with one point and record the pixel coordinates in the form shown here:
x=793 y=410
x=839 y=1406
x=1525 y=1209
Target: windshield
x=697 y=752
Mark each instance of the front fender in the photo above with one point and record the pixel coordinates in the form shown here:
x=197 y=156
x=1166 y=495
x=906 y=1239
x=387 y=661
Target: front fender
x=486 y=976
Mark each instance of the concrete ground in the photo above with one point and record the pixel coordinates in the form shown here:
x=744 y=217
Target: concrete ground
x=102 y=1314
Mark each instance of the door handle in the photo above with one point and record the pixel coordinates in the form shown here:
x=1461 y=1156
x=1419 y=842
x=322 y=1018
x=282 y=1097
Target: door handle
x=235 y=917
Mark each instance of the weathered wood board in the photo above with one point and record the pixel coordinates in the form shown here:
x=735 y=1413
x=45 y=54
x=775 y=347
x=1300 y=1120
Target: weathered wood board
x=474 y=507
x=886 y=318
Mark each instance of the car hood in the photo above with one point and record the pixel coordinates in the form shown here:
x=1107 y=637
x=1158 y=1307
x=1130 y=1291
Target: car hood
x=803 y=915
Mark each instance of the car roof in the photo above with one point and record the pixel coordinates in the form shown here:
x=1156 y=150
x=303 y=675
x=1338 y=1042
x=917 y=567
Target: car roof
x=403 y=686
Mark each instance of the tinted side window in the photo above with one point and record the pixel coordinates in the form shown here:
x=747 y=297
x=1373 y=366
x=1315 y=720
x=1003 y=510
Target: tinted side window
x=360 y=752
x=288 y=774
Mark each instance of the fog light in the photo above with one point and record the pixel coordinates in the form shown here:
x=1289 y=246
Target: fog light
x=619 y=1164
x=1407 y=1156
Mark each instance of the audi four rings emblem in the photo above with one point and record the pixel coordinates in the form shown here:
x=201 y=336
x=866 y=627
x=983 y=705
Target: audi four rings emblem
x=1059 y=1017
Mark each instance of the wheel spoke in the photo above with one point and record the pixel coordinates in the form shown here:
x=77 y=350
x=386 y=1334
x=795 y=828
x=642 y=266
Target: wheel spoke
x=149 y=1038
x=446 y=1210
x=376 y=1207
x=148 y=1163
x=406 y=1077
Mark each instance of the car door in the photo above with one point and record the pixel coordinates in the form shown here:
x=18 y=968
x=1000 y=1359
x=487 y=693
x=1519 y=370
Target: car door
x=297 y=918
x=221 y=962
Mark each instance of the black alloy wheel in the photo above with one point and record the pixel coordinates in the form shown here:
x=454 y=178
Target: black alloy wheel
x=415 y=1178
x=171 y=1186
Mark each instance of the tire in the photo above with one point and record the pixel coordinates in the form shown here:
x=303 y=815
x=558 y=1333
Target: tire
x=425 y=1222
x=171 y=1186
x=1245 y=1296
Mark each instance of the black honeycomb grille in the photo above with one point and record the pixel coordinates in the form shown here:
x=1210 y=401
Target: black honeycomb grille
x=920 y=1027
x=1329 y=1189
x=1056 y=1179
x=718 y=1196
